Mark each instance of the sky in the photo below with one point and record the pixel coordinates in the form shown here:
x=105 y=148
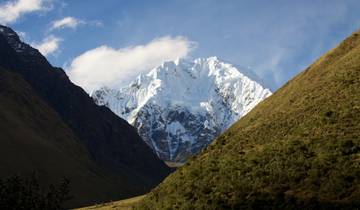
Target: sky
x=110 y=42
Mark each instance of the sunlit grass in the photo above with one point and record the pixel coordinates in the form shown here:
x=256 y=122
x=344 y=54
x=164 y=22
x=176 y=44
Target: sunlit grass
x=300 y=148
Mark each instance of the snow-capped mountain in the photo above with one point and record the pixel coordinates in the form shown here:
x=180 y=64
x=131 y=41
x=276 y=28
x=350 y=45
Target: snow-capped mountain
x=181 y=106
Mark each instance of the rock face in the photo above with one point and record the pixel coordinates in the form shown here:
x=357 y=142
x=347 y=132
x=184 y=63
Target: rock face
x=181 y=106
x=111 y=142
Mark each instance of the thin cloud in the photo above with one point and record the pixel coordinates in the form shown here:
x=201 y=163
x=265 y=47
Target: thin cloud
x=96 y=23
x=67 y=22
x=48 y=46
x=12 y=10
x=72 y=22
x=105 y=66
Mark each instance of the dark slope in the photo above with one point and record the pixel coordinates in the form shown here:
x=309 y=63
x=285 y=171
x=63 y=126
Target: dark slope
x=108 y=139
x=33 y=138
x=299 y=149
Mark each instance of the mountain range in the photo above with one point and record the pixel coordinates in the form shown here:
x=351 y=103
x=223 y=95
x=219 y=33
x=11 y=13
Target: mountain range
x=297 y=148
x=179 y=107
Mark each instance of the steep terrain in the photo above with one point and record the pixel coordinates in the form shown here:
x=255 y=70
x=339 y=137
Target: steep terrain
x=34 y=139
x=181 y=106
x=298 y=149
x=71 y=133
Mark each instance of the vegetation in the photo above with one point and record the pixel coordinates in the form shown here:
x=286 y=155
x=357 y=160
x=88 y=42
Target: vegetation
x=26 y=194
x=126 y=204
x=299 y=149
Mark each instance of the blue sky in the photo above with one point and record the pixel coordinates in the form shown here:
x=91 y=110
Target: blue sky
x=276 y=39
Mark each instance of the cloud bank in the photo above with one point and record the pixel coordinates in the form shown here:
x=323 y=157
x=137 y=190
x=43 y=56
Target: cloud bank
x=105 y=66
x=48 y=46
x=12 y=10
x=67 y=22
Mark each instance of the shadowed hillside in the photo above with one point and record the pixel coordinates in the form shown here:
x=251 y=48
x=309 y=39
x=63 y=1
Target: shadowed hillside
x=298 y=149
x=34 y=139
x=51 y=126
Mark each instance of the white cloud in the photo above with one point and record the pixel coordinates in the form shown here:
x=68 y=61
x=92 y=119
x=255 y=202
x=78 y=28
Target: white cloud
x=12 y=10
x=67 y=22
x=71 y=22
x=105 y=66
x=48 y=46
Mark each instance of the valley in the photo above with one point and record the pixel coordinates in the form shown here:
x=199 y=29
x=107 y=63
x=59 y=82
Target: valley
x=179 y=105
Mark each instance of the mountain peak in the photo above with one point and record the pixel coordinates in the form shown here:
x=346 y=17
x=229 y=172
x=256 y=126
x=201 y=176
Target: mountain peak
x=180 y=106
x=210 y=66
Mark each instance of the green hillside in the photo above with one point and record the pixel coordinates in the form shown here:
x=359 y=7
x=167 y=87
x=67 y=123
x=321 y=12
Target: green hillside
x=299 y=149
x=126 y=204
x=35 y=139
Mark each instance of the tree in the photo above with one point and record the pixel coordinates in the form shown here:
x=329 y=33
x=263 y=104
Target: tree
x=18 y=193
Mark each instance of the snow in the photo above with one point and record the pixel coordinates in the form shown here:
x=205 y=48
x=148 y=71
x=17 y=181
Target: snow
x=175 y=128
x=210 y=93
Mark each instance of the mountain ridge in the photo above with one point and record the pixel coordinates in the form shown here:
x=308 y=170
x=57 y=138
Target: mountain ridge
x=111 y=143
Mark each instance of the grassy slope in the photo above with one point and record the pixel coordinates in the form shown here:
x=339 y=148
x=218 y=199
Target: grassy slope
x=126 y=204
x=33 y=138
x=299 y=148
